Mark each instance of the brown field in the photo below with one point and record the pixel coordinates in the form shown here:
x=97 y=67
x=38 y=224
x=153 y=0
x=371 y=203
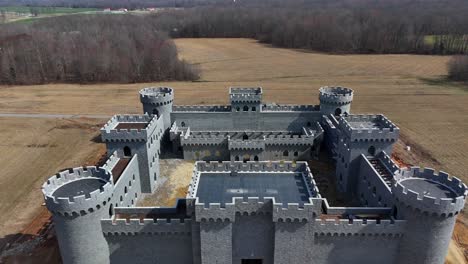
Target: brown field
x=409 y=89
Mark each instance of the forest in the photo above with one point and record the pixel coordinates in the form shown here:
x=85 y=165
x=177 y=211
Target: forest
x=137 y=48
x=89 y=49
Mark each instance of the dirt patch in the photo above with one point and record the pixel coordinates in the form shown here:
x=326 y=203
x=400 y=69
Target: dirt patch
x=175 y=178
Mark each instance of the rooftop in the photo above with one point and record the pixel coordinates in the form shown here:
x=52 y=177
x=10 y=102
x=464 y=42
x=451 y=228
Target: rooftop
x=136 y=125
x=247 y=90
x=221 y=187
x=428 y=188
x=78 y=187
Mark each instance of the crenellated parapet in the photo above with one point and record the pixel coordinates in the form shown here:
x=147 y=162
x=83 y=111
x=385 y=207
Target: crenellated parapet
x=252 y=144
x=131 y=128
x=201 y=108
x=369 y=128
x=388 y=162
x=290 y=108
x=359 y=227
x=245 y=95
x=280 y=212
x=148 y=226
x=79 y=191
x=429 y=192
x=335 y=95
x=251 y=166
x=157 y=96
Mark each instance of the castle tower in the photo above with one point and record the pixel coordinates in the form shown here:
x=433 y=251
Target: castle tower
x=158 y=101
x=430 y=203
x=335 y=100
x=361 y=134
x=78 y=199
x=128 y=135
x=244 y=100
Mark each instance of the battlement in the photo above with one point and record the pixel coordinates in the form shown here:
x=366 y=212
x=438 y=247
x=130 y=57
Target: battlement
x=430 y=192
x=335 y=95
x=78 y=192
x=131 y=127
x=249 y=95
x=359 y=227
x=369 y=128
x=135 y=226
x=239 y=144
x=201 y=108
x=290 y=108
x=290 y=212
x=157 y=96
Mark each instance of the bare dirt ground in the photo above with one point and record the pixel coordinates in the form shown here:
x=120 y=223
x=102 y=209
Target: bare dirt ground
x=409 y=89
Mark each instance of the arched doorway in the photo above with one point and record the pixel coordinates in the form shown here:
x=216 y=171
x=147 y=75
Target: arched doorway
x=371 y=150
x=338 y=112
x=236 y=158
x=156 y=112
x=256 y=158
x=245 y=137
x=246 y=108
x=127 y=152
x=246 y=157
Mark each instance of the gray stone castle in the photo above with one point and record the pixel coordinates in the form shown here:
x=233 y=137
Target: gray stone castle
x=253 y=198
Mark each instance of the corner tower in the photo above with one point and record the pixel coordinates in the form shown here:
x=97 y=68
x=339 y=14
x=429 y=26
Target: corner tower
x=128 y=135
x=335 y=100
x=158 y=101
x=78 y=199
x=429 y=202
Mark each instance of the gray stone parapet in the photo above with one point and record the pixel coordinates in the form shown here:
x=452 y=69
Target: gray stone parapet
x=157 y=96
x=110 y=133
x=78 y=202
x=201 y=108
x=132 y=226
x=359 y=227
x=336 y=95
x=290 y=108
x=429 y=203
x=242 y=95
x=239 y=144
x=386 y=131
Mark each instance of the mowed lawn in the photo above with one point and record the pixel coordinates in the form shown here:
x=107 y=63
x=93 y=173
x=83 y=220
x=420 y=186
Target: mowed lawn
x=409 y=89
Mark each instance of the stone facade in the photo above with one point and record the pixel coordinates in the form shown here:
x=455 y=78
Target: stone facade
x=252 y=196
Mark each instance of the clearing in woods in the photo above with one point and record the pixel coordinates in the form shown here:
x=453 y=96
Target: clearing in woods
x=409 y=89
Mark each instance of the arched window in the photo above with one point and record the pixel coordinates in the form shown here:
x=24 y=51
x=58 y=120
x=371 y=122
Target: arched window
x=256 y=158
x=246 y=157
x=246 y=108
x=111 y=210
x=371 y=150
x=127 y=151
x=296 y=153
x=182 y=124
x=238 y=109
x=236 y=158
x=338 y=111
x=156 y=112
x=245 y=137
x=125 y=189
x=254 y=109
x=286 y=153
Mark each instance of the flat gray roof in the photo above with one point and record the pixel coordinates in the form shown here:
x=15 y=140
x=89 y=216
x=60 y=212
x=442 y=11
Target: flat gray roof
x=429 y=188
x=83 y=186
x=221 y=187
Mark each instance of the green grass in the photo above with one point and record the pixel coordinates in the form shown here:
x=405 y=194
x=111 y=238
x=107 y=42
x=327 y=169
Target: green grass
x=45 y=10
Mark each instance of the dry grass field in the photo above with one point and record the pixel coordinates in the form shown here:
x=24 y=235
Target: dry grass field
x=409 y=89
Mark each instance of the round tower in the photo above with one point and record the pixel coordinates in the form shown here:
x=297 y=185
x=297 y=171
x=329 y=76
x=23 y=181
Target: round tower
x=158 y=101
x=429 y=203
x=335 y=100
x=78 y=199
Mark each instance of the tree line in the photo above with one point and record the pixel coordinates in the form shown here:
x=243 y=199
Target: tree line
x=338 y=29
x=89 y=49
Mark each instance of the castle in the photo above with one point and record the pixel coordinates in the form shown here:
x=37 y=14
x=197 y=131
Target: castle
x=253 y=198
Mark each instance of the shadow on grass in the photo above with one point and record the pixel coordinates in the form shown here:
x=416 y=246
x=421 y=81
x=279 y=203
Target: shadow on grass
x=446 y=82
